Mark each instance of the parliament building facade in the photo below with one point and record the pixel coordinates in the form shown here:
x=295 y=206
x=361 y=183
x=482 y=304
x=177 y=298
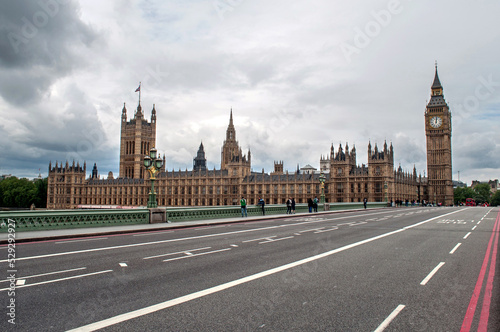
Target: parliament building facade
x=346 y=181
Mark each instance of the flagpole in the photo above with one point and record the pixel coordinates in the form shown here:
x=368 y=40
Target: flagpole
x=139 y=93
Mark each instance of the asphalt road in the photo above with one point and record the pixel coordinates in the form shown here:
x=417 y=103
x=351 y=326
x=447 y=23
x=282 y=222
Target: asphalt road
x=410 y=269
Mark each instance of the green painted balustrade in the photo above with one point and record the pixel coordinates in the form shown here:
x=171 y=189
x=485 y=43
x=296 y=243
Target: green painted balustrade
x=184 y=214
x=59 y=219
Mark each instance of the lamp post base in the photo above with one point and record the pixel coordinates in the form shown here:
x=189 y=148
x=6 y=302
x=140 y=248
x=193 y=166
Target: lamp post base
x=152 y=201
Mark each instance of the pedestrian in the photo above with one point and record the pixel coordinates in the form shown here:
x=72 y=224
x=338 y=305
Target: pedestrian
x=364 y=202
x=262 y=204
x=243 y=203
x=310 y=204
x=315 y=204
x=289 y=206
x=293 y=205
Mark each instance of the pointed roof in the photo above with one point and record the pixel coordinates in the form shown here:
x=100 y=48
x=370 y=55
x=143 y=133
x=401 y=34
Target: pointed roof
x=436 y=84
x=437 y=98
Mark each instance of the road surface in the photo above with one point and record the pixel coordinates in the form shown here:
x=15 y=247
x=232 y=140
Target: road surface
x=406 y=269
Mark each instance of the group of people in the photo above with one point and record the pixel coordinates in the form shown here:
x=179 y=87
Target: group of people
x=243 y=203
x=290 y=206
x=400 y=202
x=312 y=204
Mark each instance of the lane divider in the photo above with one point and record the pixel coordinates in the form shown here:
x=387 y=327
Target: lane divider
x=56 y=280
x=485 y=311
x=189 y=297
x=390 y=318
x=471 y=309
x=455 y=249
x=430 y=275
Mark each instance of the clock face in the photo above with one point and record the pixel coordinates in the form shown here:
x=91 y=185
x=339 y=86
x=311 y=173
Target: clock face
x=436 y=122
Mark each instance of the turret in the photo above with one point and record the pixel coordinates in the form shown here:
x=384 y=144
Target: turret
x=124 y=114
x=153 y=114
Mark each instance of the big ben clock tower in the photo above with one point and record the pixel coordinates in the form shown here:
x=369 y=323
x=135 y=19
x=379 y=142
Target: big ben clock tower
x=438 y=137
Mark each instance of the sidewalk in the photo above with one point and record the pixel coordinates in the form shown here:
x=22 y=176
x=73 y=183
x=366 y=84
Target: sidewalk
x=45 y=235
x=31 y=236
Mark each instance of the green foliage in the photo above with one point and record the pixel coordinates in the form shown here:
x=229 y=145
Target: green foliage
x=483 y=193
x=21 y=193
x=461 y=194
x=495 y=199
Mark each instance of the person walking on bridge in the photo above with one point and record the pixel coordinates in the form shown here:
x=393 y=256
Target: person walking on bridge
x=262 y=204
x=243 y=203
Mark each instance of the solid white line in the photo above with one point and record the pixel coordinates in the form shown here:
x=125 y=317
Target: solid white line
x=83 y=240
x=46 y=274
x=175 y=253
x=170 y=303
x=152 y=233
x=194 y=255
x=467 y=235
x=426 y=280
x=189 y=238
x=390 y=318
x=454 y=249
x=62 y=279
x=326 y=230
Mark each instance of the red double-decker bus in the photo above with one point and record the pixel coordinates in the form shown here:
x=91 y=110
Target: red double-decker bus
x=470 y=202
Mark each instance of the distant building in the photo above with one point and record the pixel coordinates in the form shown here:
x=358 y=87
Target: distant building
x=69 y=188
x=459 y=184
x=492 y=183
x=346 y=181
x=308 y=169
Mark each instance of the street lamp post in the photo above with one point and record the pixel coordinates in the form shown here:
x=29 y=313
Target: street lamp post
x=153 y=164
x=322 y=179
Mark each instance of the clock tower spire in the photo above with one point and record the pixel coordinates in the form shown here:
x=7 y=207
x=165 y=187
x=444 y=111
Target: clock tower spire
x=438 y=137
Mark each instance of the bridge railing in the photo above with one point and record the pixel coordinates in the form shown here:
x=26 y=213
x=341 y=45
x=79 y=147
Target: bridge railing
x=184 y=214
x=59 y=219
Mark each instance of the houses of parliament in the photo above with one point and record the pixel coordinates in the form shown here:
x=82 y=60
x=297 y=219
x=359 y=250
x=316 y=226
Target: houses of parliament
x=346 y=181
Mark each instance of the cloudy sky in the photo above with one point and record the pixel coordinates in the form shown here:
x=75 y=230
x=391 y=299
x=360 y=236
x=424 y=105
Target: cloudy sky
x=298 y=75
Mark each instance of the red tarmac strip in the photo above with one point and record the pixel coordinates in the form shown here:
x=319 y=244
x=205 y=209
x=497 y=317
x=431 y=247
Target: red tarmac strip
x=469 y=315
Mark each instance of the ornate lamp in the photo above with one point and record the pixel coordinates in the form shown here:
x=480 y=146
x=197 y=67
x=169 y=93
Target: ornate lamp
x=322 y=179
x=153 y=165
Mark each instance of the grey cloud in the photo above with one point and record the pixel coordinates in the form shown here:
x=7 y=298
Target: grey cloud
x=40 y=42
x=74 y=133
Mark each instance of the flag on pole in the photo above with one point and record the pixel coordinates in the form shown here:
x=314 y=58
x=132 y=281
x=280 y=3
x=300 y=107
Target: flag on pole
x=138 y=89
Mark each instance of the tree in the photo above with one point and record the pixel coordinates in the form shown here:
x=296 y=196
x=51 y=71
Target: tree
x=461 y=194
x=483 y=193
x=21 y=193
x=41 y=193
x=495 y=199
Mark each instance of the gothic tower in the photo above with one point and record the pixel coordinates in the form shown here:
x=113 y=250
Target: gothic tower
x=137 y=137
x=232 y=157
x=438 y=137
x=200 y=162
